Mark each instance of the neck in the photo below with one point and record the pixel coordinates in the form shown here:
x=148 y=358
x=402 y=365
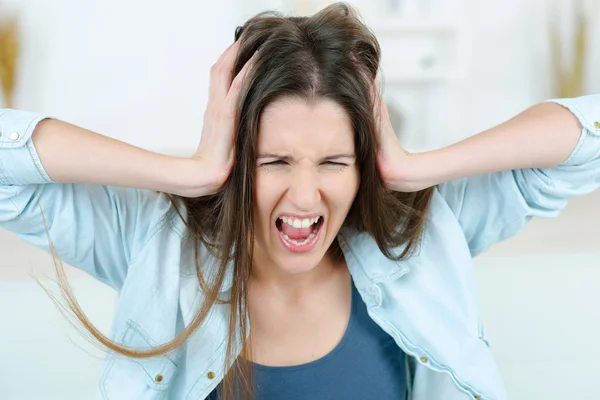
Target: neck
x=293 y=287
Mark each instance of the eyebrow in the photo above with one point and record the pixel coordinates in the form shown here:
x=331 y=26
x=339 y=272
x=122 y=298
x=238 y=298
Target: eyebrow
x=288 y=158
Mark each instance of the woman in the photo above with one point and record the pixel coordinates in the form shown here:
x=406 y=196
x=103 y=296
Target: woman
x=301 y=252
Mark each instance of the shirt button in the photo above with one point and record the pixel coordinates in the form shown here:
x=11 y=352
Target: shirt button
x=158 y=378
x=211 y=375
x=477 y=398
x=597 y=125
x=423 y=359
x=14 y=136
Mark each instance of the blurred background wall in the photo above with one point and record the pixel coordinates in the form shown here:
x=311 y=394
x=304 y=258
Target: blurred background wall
x=138 y=71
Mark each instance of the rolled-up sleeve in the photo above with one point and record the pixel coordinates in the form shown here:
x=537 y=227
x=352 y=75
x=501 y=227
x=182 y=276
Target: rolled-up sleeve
x=587 y=111
x=493 y=207
x=19 y=162
x=93 y=227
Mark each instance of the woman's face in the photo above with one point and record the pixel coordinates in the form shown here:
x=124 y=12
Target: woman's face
x=306 y=181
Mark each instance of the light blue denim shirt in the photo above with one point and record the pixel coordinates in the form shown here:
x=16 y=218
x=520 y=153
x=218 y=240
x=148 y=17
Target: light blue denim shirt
x=133 y=241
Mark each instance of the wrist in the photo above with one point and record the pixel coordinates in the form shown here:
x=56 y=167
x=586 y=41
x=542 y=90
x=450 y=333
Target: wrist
x=186 y=177
x=195 y=176
x=418 y=171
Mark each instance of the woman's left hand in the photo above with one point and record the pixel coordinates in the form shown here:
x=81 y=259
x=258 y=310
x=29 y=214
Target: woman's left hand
x=396 y=165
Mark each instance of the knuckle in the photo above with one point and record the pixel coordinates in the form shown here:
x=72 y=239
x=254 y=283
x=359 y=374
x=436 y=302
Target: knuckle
x=215 y=70
x=236 y=84
x=222 y=115
x=218 y=115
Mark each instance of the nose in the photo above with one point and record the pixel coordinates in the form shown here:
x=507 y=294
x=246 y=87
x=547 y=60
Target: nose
x=304 y=191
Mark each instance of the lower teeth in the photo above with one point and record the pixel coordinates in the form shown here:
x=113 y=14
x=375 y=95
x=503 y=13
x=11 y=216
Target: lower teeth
x=297 y=243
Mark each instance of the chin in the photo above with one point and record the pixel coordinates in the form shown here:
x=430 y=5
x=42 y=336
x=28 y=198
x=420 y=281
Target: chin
x=298 y=264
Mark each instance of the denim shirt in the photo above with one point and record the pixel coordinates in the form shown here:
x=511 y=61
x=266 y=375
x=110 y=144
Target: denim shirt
x=133 y=241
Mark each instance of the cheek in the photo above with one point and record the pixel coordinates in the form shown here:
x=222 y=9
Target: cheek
x=267 y=191
x=342 y=189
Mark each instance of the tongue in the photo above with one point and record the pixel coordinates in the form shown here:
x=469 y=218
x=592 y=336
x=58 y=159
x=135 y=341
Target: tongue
x=296 y=233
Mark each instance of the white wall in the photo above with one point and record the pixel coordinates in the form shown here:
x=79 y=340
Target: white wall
x=134 y=69
x=138 y=71
x=41 y=356
x=510 y=63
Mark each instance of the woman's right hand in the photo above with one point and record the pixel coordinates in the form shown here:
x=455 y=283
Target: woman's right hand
x=215 y=156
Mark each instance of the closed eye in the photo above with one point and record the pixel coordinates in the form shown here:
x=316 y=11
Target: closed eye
x=282 y=162
x=277 y=162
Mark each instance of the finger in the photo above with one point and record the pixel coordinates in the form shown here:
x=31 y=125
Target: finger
x=236 y=86
x=378 y=102
x=379 y=118
x=227 y=51
x=227 y=64
x=378 y=80
x=220 y=74
x=375 y=88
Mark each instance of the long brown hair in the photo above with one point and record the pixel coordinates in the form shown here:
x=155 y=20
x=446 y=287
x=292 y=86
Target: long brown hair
x=332 y=55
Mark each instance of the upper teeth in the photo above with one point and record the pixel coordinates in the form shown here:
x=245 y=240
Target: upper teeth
x=300 y=223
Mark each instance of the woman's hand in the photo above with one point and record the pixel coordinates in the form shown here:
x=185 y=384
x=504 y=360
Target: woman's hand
x=398 y=167
x=392 y=159
x=541 y=137
x=213 y=161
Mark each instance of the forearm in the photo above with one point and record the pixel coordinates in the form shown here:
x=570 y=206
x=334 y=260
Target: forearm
x=541 y=137
x=71 y=154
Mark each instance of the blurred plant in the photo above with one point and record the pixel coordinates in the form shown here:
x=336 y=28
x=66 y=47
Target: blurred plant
x=568 y=79
x=9 y=51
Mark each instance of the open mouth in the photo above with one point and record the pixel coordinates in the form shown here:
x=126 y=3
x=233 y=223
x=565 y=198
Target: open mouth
x=299 y=234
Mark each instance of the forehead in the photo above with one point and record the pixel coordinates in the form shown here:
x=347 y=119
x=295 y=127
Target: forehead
x=293 y=124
